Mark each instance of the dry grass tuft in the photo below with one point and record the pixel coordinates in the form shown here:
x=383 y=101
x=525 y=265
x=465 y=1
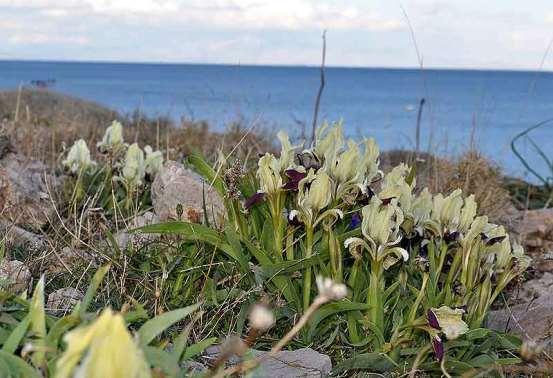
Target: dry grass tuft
x=42 y=124
x=471 y=172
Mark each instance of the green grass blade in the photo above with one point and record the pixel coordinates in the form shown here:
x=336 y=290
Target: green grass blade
x=16 y=366
x=37 y=318
x=92 y=288
x=205 y=170
x=198 y=232
x=162 y=360
x=195 y=349
x=369 y=362
x=160 y=323
x=179 y=345
x=17 y=335
x=332 y=309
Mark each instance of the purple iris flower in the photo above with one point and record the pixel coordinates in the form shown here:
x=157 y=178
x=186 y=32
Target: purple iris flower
x=294 y=178
x=432 y=320
x=438 y=347
x=254 y=200
x=355 y=221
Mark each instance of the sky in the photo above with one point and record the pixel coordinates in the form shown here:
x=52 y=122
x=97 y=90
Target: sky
x=494 y=34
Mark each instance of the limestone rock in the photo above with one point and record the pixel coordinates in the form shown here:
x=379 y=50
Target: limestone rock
x=14 y=276
x=176 y=185
x=304 y=362
x=17 y=236
x=537 y=223
x=124 y=238
x=66 y=259
x=24 y=198
x=63 y=300
x=533 y=318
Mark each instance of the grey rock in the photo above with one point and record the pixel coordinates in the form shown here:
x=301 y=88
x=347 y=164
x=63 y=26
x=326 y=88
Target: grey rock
x=66 y=259
x=124 y=238
x=193 y=367
x=14 y=276
x=304 y=362
x=18 y=236
x=63 y=300
x=24 y=198
x=176 y=185
x=533 y=318
x=537 y=224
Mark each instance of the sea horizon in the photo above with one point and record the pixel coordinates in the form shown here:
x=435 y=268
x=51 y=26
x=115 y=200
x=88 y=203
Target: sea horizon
x=492 y=106
x=267 y=65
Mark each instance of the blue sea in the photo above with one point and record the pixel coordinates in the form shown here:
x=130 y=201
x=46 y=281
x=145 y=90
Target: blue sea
x=486 y=108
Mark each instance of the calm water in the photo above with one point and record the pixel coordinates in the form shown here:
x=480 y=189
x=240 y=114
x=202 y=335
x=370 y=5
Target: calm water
x=372 y=102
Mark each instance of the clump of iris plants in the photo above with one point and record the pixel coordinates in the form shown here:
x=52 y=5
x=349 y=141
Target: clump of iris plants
x=422 y=269
x=122 y=175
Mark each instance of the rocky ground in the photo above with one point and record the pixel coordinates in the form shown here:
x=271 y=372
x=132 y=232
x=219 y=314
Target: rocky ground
x=26 y=207
x=28 y=211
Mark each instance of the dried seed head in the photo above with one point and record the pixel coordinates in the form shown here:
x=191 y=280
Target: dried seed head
x=261 y=318
x=530 y=350
x=331 y=290
x=232 y=178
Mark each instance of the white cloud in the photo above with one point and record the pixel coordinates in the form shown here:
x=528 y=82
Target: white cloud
x=460 y=33
x=244 y=14
x=41 y=38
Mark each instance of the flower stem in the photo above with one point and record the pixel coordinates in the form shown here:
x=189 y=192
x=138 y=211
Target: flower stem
x=375 y=299
x=307 y=272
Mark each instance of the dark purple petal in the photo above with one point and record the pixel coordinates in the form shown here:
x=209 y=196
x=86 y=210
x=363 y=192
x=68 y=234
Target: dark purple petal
x=432 y=319
x=294 y=222
x=365 y=197
x=438 y=347
x=355 y=221
x=497 y=239
x=387 y=201
x=294 y=178
x=452 y=236
x=309 y=160
x=292 y=174
x=254 y=200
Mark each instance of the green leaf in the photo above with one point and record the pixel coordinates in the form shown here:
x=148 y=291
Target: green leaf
x=37 y=324
x=370 y=362
x=481 y=361
x=197 y=232
x=284 y=284
x=332 y=309
x=288 y=267
x=92 y=288
x=59 y=329
x=195 y=349
x=179 y=345
x=478 y=333
x=17 y=335
x=16 y=366
x=160 y=323
x=508 y=341
x=162 y=360
x=205 y=170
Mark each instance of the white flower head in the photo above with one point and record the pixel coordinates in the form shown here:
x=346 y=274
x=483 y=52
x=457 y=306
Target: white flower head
x=261 y=317
x=153 y=162
x=450 y=321
x=286 y=159
x=113 y=137
x=331 y=290
x=78 y=157
x=268 y=173
x=293 y=215
x=134 y=169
